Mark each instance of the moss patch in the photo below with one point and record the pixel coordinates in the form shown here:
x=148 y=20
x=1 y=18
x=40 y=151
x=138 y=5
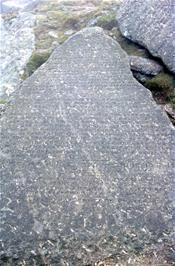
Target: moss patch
x=3 y=101
x=35 y=61
x=62 y=37
x=107 y=22
x=43 y=40
x=162 y=82
x=62 y=16
x=162 y=88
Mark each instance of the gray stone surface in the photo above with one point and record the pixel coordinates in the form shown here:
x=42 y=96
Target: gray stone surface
x=144 y=65
x=151 y=24
x=85 y=160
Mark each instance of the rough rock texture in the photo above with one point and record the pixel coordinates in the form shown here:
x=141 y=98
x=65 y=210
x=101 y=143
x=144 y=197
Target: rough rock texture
x=15 y=50
x=144 y=65
x=85 y=160
x=151 y=24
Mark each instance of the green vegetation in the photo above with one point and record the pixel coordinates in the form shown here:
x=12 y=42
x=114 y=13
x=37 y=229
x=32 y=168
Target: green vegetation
x=35 y=61
x=62 y=38
x=58 y=18
x=44 y=41
x=161 y=82
x=171 y=99
x=57 y=22
x=58 y=15
x=107 y=22
x=3 y=101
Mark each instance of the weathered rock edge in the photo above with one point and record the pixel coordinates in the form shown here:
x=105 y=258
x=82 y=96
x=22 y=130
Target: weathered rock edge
x=151 y=24
x=86 y=160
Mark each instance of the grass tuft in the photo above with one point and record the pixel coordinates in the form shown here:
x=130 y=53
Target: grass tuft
x=35 y=61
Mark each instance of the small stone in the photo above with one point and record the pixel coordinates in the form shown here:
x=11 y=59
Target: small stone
x=145 y=66
x=53 y=34
x=79 y=256
x=69 y=32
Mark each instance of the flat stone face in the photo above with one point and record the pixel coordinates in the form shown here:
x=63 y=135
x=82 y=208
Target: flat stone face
x=151 y=24
x=85 y=159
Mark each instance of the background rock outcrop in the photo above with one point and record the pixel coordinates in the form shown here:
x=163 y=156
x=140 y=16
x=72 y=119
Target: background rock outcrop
x=85 y=160
x=151 y=24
